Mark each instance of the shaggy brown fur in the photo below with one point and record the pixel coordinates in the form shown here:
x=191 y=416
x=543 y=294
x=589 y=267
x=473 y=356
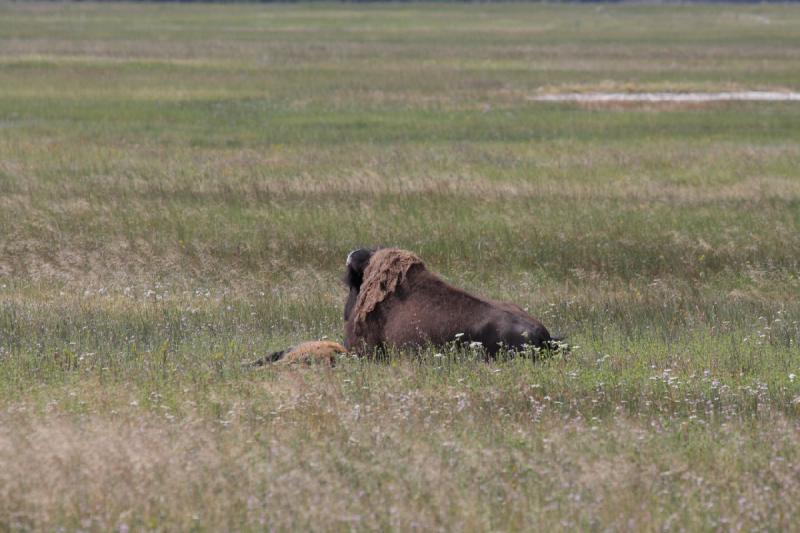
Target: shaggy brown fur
x=400 y=303
x=386 y=270
x=308 y=353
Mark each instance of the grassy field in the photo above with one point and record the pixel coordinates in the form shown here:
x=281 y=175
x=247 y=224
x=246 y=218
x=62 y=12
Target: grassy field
x=180 y=186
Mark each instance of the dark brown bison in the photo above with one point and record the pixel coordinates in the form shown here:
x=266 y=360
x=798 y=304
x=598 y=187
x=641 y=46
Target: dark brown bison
x=395 y=301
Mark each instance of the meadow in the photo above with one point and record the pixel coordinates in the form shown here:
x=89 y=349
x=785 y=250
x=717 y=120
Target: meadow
x=180 y=186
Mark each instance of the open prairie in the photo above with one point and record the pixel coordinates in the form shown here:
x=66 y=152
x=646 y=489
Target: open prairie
x=180 y=186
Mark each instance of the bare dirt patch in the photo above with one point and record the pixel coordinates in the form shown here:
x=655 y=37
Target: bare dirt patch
x=671 y=98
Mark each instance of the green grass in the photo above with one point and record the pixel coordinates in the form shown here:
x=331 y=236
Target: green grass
x=180 y=186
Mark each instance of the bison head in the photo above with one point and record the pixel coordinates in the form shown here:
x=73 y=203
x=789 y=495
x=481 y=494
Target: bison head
x=357 y=262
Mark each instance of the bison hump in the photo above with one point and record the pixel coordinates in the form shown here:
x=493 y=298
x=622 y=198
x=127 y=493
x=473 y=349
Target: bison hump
x=386 y=271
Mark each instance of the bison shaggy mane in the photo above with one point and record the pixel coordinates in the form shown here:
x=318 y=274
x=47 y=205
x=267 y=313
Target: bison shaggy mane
x=387 y=269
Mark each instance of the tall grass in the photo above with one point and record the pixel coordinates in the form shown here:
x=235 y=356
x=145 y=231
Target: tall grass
x=180 y=185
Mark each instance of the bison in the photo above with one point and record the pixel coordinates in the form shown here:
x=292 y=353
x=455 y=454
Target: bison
x=308 y=353
x=395 y=301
